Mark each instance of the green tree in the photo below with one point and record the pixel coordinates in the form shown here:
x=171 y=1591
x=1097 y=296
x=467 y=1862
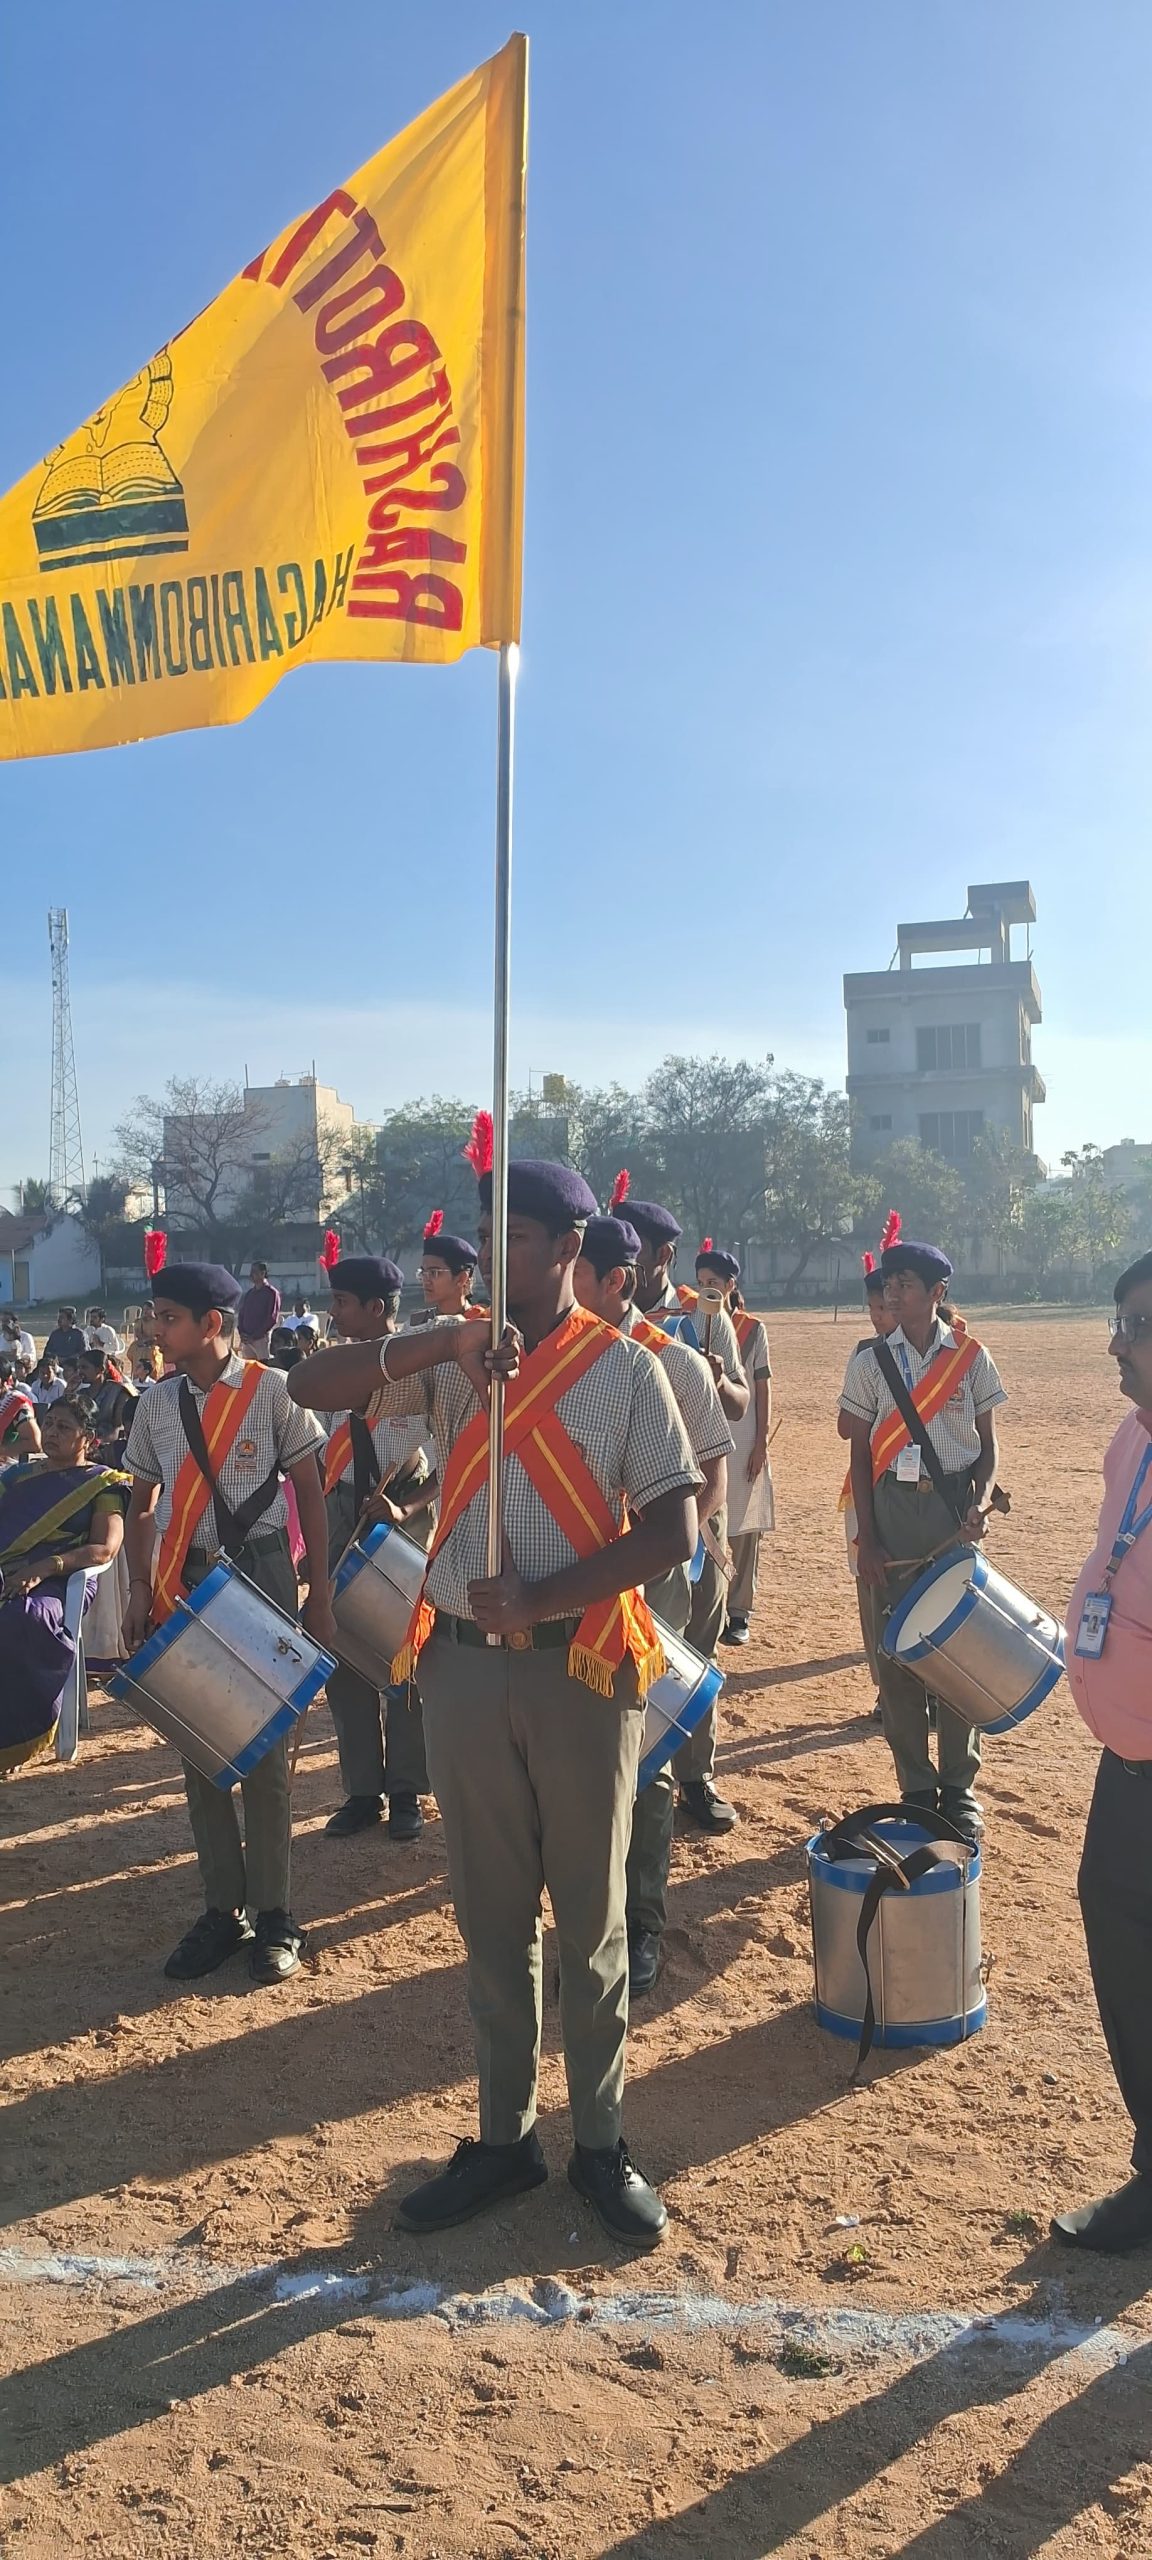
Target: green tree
x=998 y=1183
x=928 y=1192
x=810 y=1192
x=706 y=1125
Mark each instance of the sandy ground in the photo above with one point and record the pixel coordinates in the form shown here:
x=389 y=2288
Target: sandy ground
x=237 y=2129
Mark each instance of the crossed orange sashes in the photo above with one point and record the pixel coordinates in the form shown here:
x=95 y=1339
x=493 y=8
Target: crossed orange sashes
x=534 y=1434
x=929 y=1396
x=222 y=1413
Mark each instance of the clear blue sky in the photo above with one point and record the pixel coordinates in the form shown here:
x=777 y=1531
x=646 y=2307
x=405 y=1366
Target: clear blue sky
x=839 y=541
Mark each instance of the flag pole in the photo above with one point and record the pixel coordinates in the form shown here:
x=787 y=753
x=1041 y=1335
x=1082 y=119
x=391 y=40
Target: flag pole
x=505 y=743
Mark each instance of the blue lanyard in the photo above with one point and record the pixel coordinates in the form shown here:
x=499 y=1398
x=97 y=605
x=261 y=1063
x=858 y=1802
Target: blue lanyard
x=1134 y=1521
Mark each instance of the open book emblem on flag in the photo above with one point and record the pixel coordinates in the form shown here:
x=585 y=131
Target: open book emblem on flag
x=110 y=492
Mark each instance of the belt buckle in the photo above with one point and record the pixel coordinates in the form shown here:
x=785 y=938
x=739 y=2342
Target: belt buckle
x=520 y=1640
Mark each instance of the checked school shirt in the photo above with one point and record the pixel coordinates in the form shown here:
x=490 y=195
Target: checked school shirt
x=274 y=1433
x=622 y=1417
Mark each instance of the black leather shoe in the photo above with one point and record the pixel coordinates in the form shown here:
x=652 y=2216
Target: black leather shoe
x=210 y=1941
x=1122 y=2221
x=478 y=2174
x=699 y=1798
x=736 y=1631
x=624 y=2204
x=405 y=1819
x=278 y=1946
x=960 y=1807
x=643 y=1961
x=357 y=1813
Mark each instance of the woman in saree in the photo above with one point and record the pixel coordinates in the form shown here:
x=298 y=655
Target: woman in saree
x=59 y=1514
x=19 y=1432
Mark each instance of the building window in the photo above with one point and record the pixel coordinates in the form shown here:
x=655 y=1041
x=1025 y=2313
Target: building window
x=880 y=1120
x=943 y=1046
x=875 y=1037
x=950 y=1133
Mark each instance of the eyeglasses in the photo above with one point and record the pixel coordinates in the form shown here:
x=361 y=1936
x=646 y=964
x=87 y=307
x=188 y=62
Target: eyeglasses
x=1129 y=1328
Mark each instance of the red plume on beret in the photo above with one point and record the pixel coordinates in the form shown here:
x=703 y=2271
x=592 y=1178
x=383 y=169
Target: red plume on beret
x=869 y=1262
x=330 y=1249
x=892 y=1226
x=620 y=1189
x=155 y=1251
x=434 y=1225
x=706 y=1246
x=478 y=1151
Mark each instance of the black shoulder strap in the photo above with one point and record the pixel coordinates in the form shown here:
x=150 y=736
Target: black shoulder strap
x=232 y=1527
x=917 y=1429
x=855 y=1835
x=365 y=1464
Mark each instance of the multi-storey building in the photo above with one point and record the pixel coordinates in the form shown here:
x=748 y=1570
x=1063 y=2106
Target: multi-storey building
x=944 y=1051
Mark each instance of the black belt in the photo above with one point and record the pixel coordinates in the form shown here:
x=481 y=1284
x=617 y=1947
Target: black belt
x=547 y=1637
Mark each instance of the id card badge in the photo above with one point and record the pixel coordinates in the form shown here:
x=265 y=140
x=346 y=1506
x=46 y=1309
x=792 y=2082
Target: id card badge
x=1093 y=1627
x=908 y=1464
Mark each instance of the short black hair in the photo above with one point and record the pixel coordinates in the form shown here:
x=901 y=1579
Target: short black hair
x=1133 y=1277
x=69 y=1311
x=259 y=1266
x=228 y=1324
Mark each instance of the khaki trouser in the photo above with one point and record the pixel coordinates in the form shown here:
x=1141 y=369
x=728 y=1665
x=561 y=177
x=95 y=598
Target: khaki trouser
x=745 y=1554
x=912 y=1521
x=253 y=1874
x=534 y=1776
x=654 y=1812
x=380 y=1733
x=697 y=1758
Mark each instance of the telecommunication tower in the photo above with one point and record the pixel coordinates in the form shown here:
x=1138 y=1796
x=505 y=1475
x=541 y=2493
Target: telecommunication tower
x=66 y=1147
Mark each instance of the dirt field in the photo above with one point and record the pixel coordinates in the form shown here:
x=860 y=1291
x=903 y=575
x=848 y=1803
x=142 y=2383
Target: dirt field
x=752 y=2389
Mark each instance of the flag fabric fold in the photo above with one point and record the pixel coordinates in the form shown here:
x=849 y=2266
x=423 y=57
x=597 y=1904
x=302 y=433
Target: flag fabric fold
x=326 y=464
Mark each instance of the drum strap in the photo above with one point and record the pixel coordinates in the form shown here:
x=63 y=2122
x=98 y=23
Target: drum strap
x=233 y=1528
x=893 y=1874
x=916 y=1428
x=365 y=1464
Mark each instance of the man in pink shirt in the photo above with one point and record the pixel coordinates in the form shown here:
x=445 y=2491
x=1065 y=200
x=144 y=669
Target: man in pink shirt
x=1109 y=1661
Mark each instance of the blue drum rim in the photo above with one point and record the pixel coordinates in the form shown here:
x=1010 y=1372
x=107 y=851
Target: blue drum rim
x=1033 y=1697
x=924 y=1583
x=232 y=1771
x=129 y=1674
x=360 y=1554
x=949 y=1878
x=707 y=1688
x=927 y=2031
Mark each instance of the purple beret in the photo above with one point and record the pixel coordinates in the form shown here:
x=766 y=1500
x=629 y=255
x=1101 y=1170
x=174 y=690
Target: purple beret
x=366 y=1276
x=724 y=1265
x=551 y=1193
x=199 y=1286
x=454 y=1251
x=926 y=1260
x=655 y=1224
x=609 y=1241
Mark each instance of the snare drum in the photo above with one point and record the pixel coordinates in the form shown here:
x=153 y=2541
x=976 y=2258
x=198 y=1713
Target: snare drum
x=976 y=1641
x=224 y=1677
x=379 y=1580
x=675 y=1704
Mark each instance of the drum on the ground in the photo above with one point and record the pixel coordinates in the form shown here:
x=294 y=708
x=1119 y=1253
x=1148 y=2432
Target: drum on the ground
x=224 y=1677
x=976 y=1641
x=897 y=1966
x=675 y=1704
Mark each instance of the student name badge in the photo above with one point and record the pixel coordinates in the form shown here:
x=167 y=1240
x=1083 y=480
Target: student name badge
x=908 y=1464
x=1093 y=1628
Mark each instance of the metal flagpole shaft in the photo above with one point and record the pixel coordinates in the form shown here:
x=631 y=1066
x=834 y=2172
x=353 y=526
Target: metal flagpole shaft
x=505 y=739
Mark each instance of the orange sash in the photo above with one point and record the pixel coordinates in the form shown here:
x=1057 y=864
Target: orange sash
x=221 y=1415
x=744 y=1325
x=338 y=1454
x=560 y=1475
x=929 y=1396
x=688 y=1297
x=651 y=1336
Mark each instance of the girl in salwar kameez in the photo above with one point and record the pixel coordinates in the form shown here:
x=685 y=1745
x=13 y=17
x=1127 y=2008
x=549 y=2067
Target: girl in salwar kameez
x=59 y=1514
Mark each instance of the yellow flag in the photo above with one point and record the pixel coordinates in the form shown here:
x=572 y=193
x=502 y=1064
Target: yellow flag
x=328 y=463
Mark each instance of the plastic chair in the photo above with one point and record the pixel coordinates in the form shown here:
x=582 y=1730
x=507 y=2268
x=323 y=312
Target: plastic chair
x=74 y=1703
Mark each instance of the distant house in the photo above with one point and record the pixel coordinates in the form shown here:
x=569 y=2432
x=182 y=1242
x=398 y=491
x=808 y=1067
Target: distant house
x=45 y=1258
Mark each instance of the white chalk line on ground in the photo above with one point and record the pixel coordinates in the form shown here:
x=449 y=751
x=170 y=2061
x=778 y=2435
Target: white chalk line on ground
x=843 y=2332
